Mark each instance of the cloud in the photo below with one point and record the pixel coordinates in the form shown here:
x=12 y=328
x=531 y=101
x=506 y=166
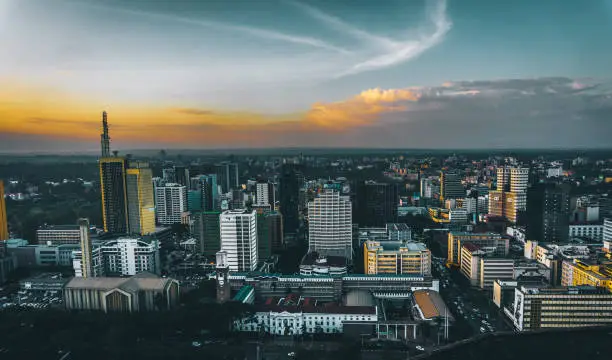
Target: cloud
x=503 y=113
x=408 y=49
x=217 y=25
x=362 y=109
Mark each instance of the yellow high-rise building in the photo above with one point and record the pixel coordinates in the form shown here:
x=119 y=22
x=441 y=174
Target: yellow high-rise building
x=4 y=234
x=395 y=258
x=579 y=273
x=140 y=199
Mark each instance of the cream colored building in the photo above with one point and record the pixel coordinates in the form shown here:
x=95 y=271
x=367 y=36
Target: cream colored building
x=396 y=258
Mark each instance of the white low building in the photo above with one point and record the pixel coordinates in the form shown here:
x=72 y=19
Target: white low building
x=298 y=320
x=590 y=231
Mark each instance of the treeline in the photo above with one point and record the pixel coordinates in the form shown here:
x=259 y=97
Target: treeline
x=48 y=334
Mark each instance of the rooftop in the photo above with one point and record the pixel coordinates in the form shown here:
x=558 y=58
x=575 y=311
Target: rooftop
x=325 y=309
x=59 y=227
x=141 y=281
x=431 y=304
x=312 y=258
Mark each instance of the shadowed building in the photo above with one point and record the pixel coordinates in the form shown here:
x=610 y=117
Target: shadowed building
x=4 y=234
x=142 y=292
x=376 y=204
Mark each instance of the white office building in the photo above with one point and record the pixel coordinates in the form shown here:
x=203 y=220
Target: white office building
x=130 y=256
x=607 y=230
x=330 y=224
x=97 y=263
x=264 y=194
x=239 y=239
x=170 y=203
x=590 y=231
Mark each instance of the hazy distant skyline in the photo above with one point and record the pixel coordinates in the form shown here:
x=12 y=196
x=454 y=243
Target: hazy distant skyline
x=345 y=73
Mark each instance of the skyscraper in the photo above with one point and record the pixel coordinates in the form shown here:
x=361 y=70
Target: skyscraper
x=450 y=186
x=112 y=185
x=227 y=176
x=330 y=224
x=4 y=234
x=376 y=204
x=140 y=198
x=548 y=212
x=206 y=187
x=181 y=175
x=239 y=239
x=290 y=183
x=114 y=194
x=171 y=202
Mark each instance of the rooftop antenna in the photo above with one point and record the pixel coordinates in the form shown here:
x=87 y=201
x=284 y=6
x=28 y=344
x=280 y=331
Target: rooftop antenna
x=104 y=137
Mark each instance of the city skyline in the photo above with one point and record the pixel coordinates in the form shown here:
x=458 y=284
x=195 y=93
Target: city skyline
x=239 y=74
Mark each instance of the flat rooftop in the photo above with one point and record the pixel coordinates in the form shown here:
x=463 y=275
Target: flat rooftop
x=59 y=227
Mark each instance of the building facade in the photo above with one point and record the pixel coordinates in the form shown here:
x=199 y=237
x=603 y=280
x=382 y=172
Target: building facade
x=171 y=202
x=592 y=232
x=491 y=242
x=4 y=233
x=269 y=234
x=239 y=239
x=576 y=273
x=450 y=186
x=58 y=235
x=537 y=308
x=330 y=224
x=130 y=256
x=290 y=182
x=396 y=258
x=375 y=204
x=140 y=199
x=143 y=292
x=114 y=194
x=207 y=231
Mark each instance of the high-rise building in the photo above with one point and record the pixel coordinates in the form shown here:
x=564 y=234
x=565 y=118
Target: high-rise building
x=290 y=183
x=227 y=176
x=548 y=212
x=208 y=232
x=269 y=234
x=376 y=204
x=114 y=194
x=510 y=198
x=264 y=192
x=390 y=257
x=330 y=228
x=450 y=186
x=169 y=175
x=206 y=187
x=171 y=202
x=181 y=175
x=4 y=234
x=239 y=239
x=140 y=199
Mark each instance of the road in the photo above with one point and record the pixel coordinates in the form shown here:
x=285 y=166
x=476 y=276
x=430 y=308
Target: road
x=472 y=307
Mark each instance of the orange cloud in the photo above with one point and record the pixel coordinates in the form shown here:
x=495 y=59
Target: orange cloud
x=46 y=112
x=361 y=109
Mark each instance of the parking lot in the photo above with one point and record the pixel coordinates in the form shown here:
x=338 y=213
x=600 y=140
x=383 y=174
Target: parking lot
x=33 y=299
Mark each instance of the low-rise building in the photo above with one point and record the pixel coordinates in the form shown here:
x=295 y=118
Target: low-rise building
x=142 y=292
x=592 y=232
x=396 y=258
x=314 y=264
x=58 y=234
x=577 y=273
x=536 y=308
x=481 y=267
x=296 y=319
x=491 y=242
x=428 y=306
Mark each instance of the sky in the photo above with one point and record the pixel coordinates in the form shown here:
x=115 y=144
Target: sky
x=186 y=74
